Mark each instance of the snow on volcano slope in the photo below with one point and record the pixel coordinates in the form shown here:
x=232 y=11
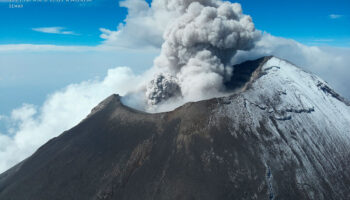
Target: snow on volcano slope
x=284 y=134
x=305 y=126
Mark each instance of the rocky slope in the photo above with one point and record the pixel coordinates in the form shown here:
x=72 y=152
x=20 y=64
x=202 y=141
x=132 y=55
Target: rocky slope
x=283 y=134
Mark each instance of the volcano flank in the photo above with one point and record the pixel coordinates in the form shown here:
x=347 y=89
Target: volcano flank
x=283 y=133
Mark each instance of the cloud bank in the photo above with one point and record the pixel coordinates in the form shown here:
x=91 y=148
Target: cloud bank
x=32 y=126
x=198 y=40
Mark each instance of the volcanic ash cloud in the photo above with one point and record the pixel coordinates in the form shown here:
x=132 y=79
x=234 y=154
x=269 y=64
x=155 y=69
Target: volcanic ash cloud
x=200 y=40
x=199 y=45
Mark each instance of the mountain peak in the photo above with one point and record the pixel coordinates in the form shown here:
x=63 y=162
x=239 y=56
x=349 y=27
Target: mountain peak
x=282 y=134
x=113 y=99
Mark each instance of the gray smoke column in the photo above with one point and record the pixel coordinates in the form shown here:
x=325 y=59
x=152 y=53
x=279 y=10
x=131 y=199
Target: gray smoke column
x=198 y=49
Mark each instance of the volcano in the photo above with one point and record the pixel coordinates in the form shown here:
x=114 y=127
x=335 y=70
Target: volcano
x=283 y=133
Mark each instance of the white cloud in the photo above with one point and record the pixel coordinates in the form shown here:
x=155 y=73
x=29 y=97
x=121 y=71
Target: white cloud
x=33 y=126
x=335 y=16
x=54 y=30
x=152 y=20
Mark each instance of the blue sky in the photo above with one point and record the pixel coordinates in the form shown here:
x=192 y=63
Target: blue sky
x=306 y=21
x=323 y=22
x=85 y=20
x=26 y=77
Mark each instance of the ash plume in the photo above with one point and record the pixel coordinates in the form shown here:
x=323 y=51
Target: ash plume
x=199 y=44
x=164 y=86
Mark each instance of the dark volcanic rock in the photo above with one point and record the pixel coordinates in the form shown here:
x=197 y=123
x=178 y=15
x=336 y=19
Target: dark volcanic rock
x=226 y=148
